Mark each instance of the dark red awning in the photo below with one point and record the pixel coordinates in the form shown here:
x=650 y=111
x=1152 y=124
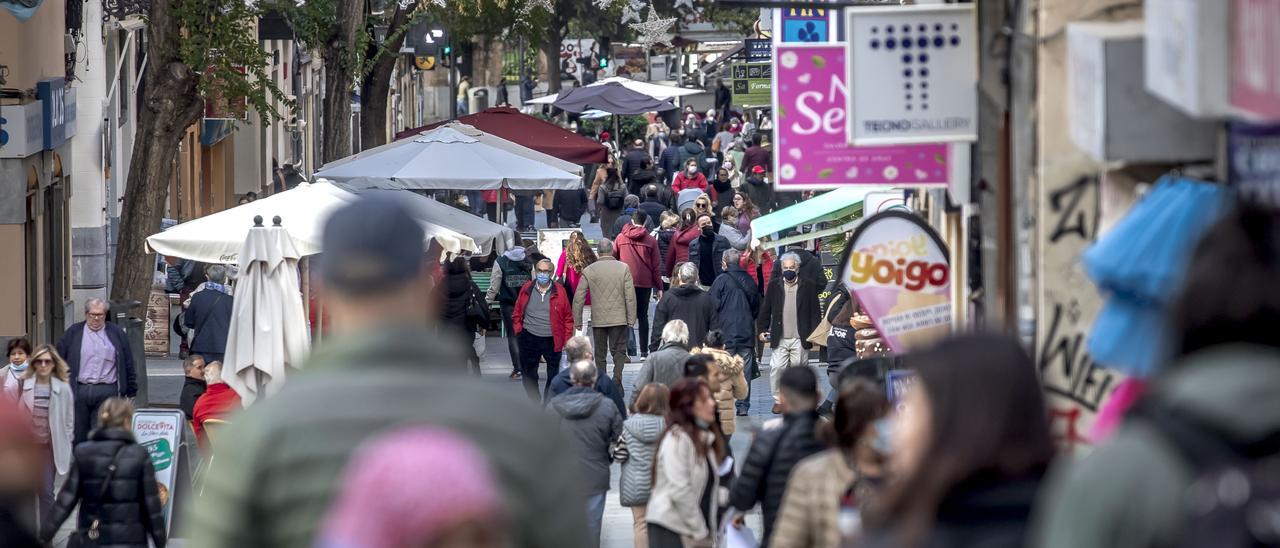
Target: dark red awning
x=520 y=128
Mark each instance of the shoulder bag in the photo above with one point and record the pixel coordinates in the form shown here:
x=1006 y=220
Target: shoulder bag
x=820 y=333
x=88 y=538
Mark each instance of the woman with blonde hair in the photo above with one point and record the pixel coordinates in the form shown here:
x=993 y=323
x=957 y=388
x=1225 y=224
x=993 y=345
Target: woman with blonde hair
x=114 y=483
x=46 y=397
x=577 y=256
x=725 y=377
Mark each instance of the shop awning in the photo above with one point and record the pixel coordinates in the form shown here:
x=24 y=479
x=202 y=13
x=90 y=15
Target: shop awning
x=520 y=128
x=824 y=207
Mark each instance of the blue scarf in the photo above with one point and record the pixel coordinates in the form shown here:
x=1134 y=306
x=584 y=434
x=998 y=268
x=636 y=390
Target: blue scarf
x=217 y=287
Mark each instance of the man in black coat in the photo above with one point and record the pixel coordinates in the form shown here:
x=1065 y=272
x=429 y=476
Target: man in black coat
x=777 y=450
x=790 y=313
x=656 y=199
x=737 y=304
x=578 y=349
x=210 y=315
x=193 y=384
x=687 y=302
x=100 y=362
x=633 y=159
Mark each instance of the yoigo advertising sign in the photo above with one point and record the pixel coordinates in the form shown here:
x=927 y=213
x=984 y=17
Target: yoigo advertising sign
x=897 y=268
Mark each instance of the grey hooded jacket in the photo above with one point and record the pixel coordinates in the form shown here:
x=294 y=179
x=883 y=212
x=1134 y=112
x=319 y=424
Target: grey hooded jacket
x=640 y=433
x=592 y=423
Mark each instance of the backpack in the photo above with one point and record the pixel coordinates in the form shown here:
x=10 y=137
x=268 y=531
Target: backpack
x=1234 y=485
x=615 y=193
x=514 y=275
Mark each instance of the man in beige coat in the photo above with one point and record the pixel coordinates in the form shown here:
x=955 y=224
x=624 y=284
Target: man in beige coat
x=613 y=307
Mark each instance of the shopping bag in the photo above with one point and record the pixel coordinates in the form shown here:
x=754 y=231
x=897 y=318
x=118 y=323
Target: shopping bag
x=733 y=537
x=478 y=344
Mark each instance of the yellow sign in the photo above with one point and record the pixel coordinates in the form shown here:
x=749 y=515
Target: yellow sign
x=425 y=62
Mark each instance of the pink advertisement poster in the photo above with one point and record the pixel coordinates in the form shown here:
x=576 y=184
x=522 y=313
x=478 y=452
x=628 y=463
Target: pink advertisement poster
x=1255 y=76
x=811 y=111
x=897 y=268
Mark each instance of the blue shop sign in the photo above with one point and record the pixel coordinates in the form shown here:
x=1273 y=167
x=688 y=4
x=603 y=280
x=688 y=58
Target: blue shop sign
x=58 y=111
x=1253 y=153
x=758 y=49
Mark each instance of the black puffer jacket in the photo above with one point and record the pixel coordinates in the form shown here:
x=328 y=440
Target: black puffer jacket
x=689 y=304
x=768 y=466
x=459 y=290
x=129 y=510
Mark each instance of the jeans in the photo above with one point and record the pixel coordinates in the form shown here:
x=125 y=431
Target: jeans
x=49 y=475
x=595 y=518
x=748 y=355
x=533 y=347
x=611 y=340
x=463 y=107
x=789 y=353
x=643 y=294
x=88 y=397
x=513 y=346
x=524 y=211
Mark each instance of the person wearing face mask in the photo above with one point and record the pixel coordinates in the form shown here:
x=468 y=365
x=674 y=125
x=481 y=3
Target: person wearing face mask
x=543 y=321
x=722 y=187
x=789 y=314
x=690 y=178
x=689 y=455
x=693 y=149
x=707 y=250
x=18 y=350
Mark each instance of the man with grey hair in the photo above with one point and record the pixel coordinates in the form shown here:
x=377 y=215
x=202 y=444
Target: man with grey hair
x=666 y=366
x=592 y=425
x=737 y=303
x=686 y=301
x=613 y=307
x=209 y=314
x=578 y=349
x=788 y=316
x=100 y=362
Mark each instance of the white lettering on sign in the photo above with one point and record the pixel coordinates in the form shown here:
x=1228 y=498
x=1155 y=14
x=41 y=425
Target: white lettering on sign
x=829 y=122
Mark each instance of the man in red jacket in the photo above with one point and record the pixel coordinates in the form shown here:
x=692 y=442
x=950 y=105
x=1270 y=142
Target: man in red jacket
x=639 y=251
x=543 y=321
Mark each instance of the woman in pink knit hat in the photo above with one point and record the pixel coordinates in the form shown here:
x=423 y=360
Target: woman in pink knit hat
x=419 y=486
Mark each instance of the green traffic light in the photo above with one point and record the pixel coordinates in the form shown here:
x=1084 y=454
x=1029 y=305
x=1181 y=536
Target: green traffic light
x=604 y=63
x=448 y=50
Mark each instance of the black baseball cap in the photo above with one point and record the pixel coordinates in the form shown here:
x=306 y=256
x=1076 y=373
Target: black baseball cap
x=371 y=244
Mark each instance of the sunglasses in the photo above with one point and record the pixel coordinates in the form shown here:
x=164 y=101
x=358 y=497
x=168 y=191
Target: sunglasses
x=43 y=361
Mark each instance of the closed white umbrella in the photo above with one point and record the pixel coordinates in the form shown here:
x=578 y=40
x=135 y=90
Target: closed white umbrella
x=448 y=158
x=268 y=334
x=216 y=238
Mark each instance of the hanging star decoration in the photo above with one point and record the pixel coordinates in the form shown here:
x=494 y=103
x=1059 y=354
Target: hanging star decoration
x=603 y=4
x=631 y=11
x=528 y=6
x=654 y=29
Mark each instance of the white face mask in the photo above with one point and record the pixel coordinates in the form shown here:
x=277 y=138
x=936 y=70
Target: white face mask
x=691 y=170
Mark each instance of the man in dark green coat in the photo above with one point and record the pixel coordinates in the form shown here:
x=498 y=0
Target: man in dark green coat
x=279 y=464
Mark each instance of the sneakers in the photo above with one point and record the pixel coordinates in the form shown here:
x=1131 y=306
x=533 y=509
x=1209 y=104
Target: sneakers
x=742 y=411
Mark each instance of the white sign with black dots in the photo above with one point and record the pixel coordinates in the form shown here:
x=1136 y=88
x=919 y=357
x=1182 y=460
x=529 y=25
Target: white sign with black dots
x=913 y=74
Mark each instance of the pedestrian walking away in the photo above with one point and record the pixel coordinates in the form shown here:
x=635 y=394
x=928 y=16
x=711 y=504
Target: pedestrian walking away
x=666 y=365
x=636 y=450
x=510 y=272
x=380 y=368
x=737 y=304
x=788 y=316
x=686 y=302
x=776 y=451
x=209 y=315
x=592 y=425
x=100 y=363
x=576 y=349
x=639 y=251
x=543 y=323
x=613 y=311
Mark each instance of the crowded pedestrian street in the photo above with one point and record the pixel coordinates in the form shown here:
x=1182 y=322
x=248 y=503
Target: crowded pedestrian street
x=640 y=274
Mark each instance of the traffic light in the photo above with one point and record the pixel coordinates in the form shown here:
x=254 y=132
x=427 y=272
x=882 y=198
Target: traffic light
x=605 y=48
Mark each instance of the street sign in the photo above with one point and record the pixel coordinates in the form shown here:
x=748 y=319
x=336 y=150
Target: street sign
x=913 y=73
x=1253 y=162
x=752 y=84
x=425 y=62
x=811 y=152
x=758 y=49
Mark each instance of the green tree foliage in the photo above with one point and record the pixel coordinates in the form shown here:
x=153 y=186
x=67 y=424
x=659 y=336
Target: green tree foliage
x=220 y=45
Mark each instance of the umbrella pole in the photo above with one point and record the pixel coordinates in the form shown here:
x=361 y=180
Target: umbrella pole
x=617 y=135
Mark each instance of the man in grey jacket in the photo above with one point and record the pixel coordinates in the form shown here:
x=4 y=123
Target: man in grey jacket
x=593 y=425
x=666 y=366
x=383 y=366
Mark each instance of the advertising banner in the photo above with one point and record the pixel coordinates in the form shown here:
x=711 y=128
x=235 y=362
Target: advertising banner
x=759 y=50
x=1255 y=75
x=913 y=72
x=810 y=152
x=1253 y=161
x=160 y=432
x=897 y=268
x=752 y=84
x=812 y=25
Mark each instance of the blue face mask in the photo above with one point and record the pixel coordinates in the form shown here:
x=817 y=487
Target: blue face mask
x=543 y=278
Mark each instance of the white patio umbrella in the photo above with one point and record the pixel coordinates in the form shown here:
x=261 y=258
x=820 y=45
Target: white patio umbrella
x=470 y=131
x=217 y=238
x=448 y=158
x=657 y=91
x=268 y=333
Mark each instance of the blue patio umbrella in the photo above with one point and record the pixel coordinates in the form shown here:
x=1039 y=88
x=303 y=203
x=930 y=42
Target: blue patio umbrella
x=1140 y=265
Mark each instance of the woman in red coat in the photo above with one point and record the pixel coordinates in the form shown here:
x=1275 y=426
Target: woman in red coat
x=678 y=250
x=690 y=178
